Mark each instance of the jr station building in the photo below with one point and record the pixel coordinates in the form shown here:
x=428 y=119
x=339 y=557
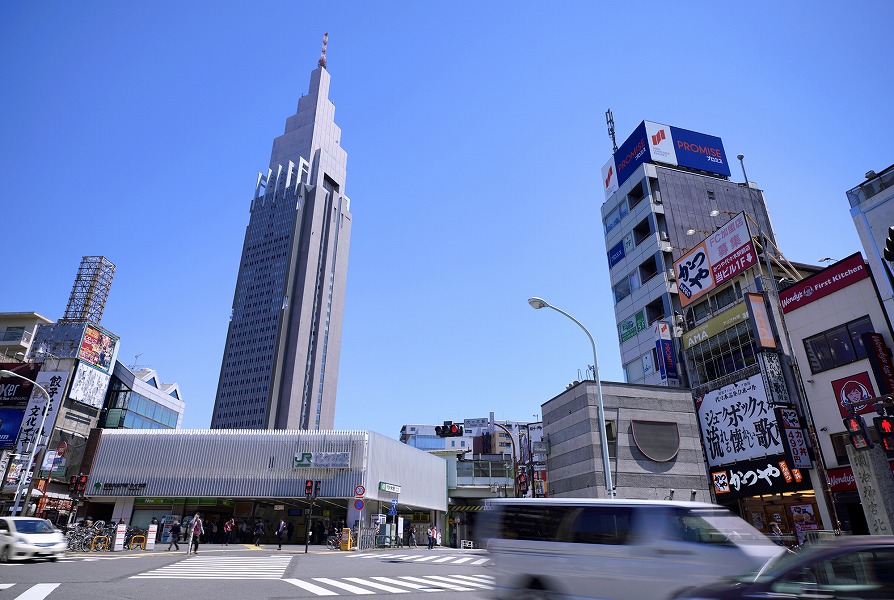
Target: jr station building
x=251 y=475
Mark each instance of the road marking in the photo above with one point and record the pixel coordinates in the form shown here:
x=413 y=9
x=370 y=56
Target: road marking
x=221 y=567
x=443 y=585
x=345 y=586
x=314 y=589
x=378 y=586
x=6 y=586
x=38 y=591
x=460 y=561
x=409 y=584
x=444 y=559
x=480 y=561
x=424 y=558
x=453 y=580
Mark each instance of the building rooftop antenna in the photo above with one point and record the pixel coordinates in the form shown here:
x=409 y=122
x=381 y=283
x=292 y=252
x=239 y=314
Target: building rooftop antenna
x=322 y=61
x=610 y=121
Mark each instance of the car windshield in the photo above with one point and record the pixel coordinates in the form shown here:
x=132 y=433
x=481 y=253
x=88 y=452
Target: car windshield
x=33 y=526
x=727 y=524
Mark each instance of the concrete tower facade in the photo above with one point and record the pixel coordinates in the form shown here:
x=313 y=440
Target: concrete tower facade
x=280 y=363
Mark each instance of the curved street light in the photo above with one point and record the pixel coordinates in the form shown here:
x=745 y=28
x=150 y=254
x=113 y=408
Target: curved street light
x=34 y=444
x=539 y=303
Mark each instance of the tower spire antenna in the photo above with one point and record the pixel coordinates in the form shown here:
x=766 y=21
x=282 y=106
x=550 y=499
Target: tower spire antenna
x=322 y=61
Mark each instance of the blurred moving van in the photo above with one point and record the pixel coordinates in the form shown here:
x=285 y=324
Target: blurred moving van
x=619 y=549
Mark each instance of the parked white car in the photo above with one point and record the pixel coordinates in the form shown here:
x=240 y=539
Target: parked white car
x=22 y=538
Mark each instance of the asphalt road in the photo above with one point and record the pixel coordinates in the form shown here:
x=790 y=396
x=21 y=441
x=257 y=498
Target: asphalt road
x=242 y=572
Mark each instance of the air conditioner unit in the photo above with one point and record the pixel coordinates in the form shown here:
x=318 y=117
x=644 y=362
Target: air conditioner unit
x=664 y=237
x=671 y=276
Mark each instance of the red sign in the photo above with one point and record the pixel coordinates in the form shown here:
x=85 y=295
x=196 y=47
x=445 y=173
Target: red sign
x=853 y=389
x=842 y=480
x=877 y=353
x=828 y=281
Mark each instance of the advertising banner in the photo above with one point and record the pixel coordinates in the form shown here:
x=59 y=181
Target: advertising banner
x=632 y=153
x=661 y=143
x=699 y=151
x=842 y=479
x=322 y=459
x=98 y=348
x=616 y=254
x=10 y=424
x=54 y=383
x=631 y=326
x=721 y=256
x=842 y=274
x=852 y=389
x=880 y=359
x=738 y=423
x=725 y=320
x=761 y=328
x=89 y=386
x=769 y=475
x=14 y=391
x=793 y=437
x=610 y=178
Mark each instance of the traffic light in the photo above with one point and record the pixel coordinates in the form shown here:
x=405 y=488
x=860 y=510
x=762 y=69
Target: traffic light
x=309 y=487
x=856 y=427
x=885 y=428
x=889 y=245
x=449 y=429
x=317 y=488
x=72 y=485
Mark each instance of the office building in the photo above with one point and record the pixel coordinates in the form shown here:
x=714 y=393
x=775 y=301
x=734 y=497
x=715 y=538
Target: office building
x=665 y=190
x=280 y=362
x=138 y=400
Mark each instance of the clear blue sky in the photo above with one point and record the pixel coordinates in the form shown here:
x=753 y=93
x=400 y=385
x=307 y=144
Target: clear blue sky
x=475 y=136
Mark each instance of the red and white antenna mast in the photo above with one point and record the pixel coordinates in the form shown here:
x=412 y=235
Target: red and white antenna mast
x=322 y=61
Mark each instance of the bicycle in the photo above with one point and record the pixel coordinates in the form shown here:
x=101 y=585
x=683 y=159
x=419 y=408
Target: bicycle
x=333 y=542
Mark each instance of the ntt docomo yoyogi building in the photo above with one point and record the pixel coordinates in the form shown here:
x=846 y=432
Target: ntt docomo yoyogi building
x=261 y=475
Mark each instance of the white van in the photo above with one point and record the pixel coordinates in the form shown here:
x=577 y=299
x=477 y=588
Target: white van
x=618 y=549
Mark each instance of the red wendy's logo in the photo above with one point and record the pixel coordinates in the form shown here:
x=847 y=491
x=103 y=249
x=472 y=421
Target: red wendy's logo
x=656 y=139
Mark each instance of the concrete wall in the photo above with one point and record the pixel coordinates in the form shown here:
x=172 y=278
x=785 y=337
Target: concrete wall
x=574 y=465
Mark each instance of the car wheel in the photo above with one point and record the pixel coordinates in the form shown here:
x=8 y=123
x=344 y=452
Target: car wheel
x=4 y=554
x=535 y=591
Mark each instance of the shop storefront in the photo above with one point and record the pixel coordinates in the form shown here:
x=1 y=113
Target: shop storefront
x=310 y=479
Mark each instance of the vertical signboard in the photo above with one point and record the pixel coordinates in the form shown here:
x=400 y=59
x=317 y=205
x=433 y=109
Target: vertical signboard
x=54 y=383
x=610 y=178
x=880 y=359
x=760 y=321
x=793 y=437
x=664 y=347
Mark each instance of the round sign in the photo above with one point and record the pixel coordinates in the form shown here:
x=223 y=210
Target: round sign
x=358 y=504
x=359 y=491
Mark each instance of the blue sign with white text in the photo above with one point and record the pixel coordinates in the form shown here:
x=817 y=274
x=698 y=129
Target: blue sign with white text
x=632 y=153
x=616 y=254
x=699 y=151
x=10 y=424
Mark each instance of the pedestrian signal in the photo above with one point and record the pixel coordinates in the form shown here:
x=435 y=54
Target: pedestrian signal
x=885 y=428
x=309 y=487
x=856 y=428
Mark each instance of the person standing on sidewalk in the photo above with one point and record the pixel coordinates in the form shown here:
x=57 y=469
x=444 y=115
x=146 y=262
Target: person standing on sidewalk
x=196 y=530
x=431 y=537
x=174 y=534
x=281 y=532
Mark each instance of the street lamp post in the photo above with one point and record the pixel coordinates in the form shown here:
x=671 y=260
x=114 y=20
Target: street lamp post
x=538 y=303
x=46 y=409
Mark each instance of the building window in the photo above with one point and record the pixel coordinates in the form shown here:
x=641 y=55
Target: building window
x=622 y=290
x=838 y=346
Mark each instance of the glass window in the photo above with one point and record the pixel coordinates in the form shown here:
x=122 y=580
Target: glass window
x=601 y=525
x=622 y=290
x=613 y=218
x=633 y=370
x=857 y=329
x=838 y=346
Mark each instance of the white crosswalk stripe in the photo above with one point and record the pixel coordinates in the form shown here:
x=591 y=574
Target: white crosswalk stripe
x=330 y=586
x=222 y=567
x=37 y=591
x=434 y=559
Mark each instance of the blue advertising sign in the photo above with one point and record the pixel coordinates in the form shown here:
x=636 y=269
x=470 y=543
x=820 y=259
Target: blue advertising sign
x=616 y=254
x=699 y=151
x=10 y=424
x=632 y=153
x=669 y=362
x=660 y=352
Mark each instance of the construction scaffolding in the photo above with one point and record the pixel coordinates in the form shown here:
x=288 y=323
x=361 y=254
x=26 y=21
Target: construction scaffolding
x=91 y=290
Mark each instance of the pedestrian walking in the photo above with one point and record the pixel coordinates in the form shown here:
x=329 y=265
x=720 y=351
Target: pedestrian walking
x=281 y=532
x=431 y=536
x=174 y=534
x=259 y=532
x=412 y=541
x=196 y=530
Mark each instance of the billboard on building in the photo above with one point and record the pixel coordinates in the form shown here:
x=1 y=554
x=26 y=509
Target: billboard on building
x=98 y=347
x=10 y=424
x=768 y=475
x=89 y=385
x=14 y=391
x=664 y=348
x=819 y=285
x=664 y=144
x=725 y=320
x=54 y=383
x=738 y=423
x=616 y=254
x=633 y=325
x=721 y=256
x=761 y=328
x=852 y=389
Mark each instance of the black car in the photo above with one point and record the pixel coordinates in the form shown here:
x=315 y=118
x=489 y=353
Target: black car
x=847 y=568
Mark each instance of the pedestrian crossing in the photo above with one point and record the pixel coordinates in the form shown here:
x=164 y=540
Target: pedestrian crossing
x=474 y=560
x=30 y=591
x=328 y=586
x=222 y=567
